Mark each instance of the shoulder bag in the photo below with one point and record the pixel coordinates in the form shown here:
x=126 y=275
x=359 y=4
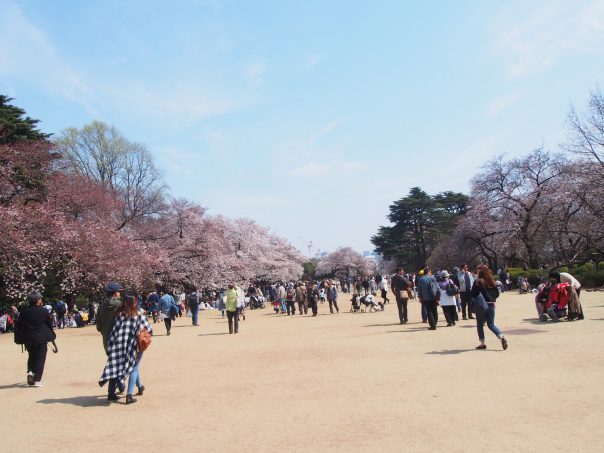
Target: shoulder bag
x=143 y=339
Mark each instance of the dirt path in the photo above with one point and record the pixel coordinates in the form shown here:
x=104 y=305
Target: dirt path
x=347 y=382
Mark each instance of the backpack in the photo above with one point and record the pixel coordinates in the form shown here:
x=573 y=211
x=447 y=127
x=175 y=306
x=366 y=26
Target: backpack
x=18 y=334
x=493 y=293
x=193 y=299
x=451 y=289
x=60 y=308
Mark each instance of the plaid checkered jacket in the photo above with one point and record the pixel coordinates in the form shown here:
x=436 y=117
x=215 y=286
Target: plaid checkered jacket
x=123 y=347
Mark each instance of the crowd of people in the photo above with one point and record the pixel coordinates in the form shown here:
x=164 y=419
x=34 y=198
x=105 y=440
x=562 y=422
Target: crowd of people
x=122 y=319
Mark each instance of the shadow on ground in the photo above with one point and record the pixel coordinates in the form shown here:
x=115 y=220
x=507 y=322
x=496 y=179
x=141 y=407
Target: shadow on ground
x=451 y=351
x=82 y=401
x=14 y=386
x=534 y=321
x=416 y=329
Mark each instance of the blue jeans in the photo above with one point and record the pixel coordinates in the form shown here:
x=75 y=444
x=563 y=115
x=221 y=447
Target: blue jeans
x=135 y=377
x=489 y=317
x=194 y=312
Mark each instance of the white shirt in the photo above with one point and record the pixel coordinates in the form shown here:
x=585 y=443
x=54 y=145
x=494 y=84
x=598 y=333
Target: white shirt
x=565 y=277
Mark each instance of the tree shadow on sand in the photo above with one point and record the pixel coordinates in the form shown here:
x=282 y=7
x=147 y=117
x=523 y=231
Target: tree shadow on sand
x=82 y=401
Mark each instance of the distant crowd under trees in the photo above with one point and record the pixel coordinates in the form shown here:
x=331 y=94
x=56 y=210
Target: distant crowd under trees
x=91 y=206
x=544 y=209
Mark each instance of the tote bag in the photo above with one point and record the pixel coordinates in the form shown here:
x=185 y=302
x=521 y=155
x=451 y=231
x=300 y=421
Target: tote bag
x=479 y=304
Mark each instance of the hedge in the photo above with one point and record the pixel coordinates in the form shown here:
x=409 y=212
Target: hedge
x=586 y=274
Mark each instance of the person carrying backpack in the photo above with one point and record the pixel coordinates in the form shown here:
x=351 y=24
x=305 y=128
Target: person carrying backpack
x=429 y=296
x=60 y=310
x=193 y=303
x=289 y=300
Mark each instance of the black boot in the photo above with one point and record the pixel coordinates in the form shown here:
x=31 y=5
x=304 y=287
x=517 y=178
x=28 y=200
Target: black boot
x=130 y=399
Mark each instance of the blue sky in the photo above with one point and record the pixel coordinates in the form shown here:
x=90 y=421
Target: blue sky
x=309 y=117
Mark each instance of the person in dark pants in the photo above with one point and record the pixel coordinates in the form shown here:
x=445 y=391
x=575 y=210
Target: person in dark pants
x=105 y=320
x=289 y=300
x=332 y=297
x=193 y=300
x=429 y=294
x=168 y=310
x=35 y=330
x=313 y=297
x=466 y=281
x=231 y=308
x=400 y=285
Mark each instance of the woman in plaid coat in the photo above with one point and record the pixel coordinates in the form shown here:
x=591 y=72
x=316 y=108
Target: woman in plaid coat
x=124 y=357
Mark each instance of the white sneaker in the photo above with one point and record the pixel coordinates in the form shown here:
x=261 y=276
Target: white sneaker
x=38 y=384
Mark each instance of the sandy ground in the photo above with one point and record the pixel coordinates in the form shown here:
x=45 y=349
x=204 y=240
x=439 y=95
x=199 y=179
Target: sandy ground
x=347 y=382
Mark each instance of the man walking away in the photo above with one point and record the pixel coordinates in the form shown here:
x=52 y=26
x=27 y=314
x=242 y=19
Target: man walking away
x=332 y=297
x=400 y=285
x=301 y=299
x=153 y=303
x=231 y=308
x=168 y=310
x=193 y=302
x=429 y=294
x=61 y=310
x=384 y=289
x=313 y=298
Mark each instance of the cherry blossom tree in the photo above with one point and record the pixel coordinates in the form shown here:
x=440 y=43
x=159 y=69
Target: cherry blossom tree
x=345 y=263
x=515 y=190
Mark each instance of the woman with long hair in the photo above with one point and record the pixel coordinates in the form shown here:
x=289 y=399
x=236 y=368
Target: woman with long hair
x=124 y=357
x=485 y=286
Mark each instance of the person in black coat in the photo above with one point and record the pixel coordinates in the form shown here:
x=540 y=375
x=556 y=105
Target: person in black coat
x=35 y=328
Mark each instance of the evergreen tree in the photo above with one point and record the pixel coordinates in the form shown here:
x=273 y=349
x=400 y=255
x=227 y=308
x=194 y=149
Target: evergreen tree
x=420 y=222
x=15 y=126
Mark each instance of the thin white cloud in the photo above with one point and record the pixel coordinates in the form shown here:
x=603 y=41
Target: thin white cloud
x=27 y=53
x=254 y=74
x=182 y=103
x=313 y=60
x=180 y=154
x=314 y=168
x=548 y=32
x=502 y=103
x=322 y=132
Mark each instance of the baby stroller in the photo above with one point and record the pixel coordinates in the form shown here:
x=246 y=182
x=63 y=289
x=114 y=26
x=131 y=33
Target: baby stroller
x=354 y=303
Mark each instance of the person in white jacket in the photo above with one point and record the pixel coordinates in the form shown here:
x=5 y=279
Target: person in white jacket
x=384 y=289
x=448 y=291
